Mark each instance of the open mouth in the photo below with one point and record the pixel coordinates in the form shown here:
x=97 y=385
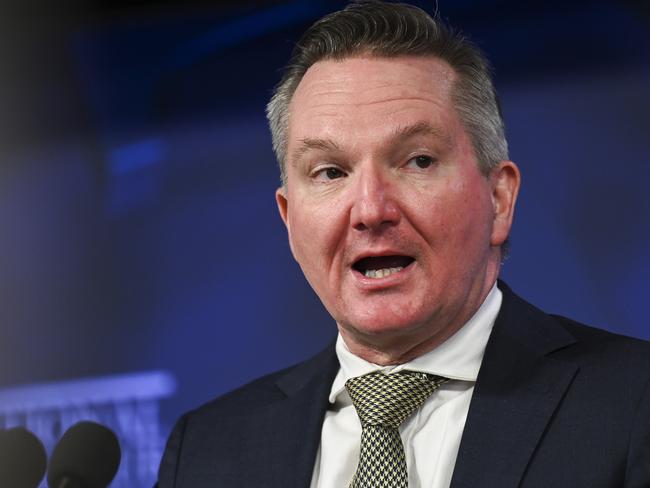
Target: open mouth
x=382 y=266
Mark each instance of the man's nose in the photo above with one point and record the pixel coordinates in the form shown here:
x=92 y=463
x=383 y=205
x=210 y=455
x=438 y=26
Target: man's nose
x=374 y=205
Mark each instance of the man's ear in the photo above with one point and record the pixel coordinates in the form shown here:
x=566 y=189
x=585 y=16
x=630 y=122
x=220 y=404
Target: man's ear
x=505 y=180
x=281 y=200
x=283 y=208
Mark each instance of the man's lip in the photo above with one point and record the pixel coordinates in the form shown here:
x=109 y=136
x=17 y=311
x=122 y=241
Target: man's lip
x=379 y=254
x=378 y=260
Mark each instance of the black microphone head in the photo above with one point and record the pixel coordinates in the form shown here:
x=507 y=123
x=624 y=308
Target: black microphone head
x=22 y=458
x=88 y=453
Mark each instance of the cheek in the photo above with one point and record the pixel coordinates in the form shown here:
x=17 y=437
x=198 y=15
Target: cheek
x=311 y=234
x=299 y=228
x=463 y=214
x=475 y=216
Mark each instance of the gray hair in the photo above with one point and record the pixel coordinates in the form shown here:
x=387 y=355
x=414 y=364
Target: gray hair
x=388 y=30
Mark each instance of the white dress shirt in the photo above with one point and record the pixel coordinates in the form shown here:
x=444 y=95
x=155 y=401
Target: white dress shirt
x=431 y=436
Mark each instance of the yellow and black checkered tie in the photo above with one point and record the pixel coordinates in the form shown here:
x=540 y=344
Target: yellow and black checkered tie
x=383 y=402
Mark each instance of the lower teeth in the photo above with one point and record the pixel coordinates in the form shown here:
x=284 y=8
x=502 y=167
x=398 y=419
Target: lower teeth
x=380 y=273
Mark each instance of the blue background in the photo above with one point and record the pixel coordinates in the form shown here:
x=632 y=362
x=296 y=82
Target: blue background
x=138 y=228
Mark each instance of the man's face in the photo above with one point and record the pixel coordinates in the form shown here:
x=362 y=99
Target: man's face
x=388 y=215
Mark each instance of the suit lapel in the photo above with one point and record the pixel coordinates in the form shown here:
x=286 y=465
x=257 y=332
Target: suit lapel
x=518 y=388
x=299 y=420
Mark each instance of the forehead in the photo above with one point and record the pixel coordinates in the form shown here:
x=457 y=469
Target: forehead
x=339 y=97
x=360 y=71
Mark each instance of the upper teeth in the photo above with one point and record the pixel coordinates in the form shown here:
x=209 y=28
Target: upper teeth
x=380 y=273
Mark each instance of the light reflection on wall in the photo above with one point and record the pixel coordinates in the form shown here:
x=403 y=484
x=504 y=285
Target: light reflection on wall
x=127 y=404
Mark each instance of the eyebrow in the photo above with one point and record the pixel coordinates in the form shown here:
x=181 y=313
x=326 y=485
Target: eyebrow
x=308 y=144
x=421 y=128
x=405 y=132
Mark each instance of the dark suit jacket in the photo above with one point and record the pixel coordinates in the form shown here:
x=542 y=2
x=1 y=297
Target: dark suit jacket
x=556 y=404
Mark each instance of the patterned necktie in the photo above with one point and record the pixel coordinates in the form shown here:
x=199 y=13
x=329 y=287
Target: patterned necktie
x=383 y=402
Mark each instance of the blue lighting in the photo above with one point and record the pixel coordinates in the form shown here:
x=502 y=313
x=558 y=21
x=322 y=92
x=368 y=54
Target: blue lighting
x=132 y=157
x=243 y=29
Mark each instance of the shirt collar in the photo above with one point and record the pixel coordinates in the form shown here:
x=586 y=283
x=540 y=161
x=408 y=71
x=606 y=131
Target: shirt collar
x=458 y=358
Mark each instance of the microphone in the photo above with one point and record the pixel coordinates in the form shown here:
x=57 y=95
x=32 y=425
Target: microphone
x=22 y=458
x=87 y=456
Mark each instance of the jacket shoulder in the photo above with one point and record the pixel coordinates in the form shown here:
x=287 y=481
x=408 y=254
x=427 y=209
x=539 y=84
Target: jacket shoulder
x=605 y=343
x=271 y=388
x=619 y=363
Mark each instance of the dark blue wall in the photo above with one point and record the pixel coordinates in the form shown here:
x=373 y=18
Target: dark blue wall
x=139 y=229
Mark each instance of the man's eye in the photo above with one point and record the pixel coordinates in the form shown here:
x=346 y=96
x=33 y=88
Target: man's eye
x=422 y=161
x=330 y=174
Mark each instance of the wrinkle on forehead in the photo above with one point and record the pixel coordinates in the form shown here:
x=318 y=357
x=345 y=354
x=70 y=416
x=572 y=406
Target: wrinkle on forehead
x=372 y=102
x=323 y=78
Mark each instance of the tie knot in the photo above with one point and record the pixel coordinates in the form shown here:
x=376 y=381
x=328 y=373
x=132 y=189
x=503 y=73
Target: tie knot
x=389 y=399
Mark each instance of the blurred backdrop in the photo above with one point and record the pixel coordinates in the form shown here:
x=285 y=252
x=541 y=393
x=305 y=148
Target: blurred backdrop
x=138 y=228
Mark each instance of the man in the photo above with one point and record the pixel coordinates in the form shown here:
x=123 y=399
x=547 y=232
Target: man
x=398 y=197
